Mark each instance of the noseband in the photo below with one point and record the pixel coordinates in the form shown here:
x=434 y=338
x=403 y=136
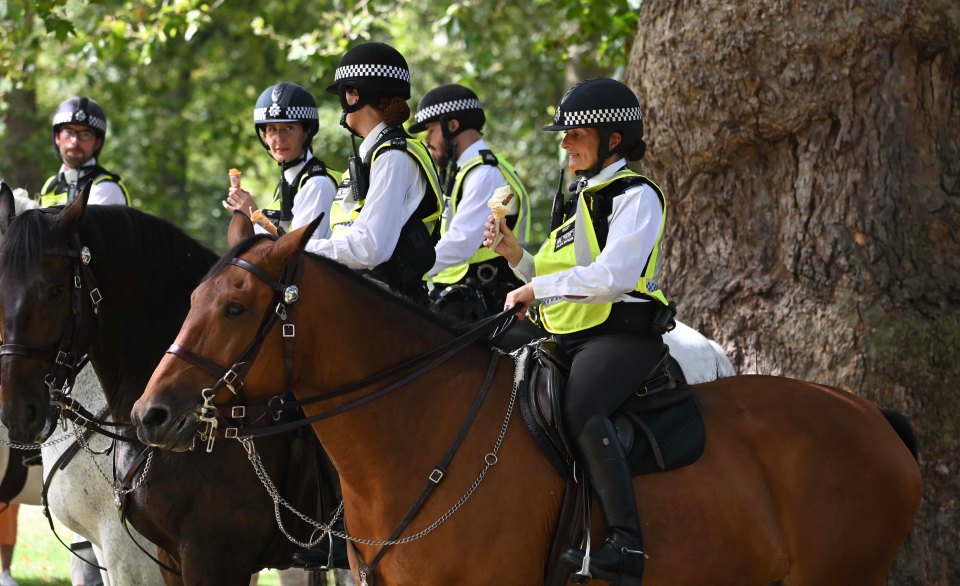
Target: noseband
x=65 y=363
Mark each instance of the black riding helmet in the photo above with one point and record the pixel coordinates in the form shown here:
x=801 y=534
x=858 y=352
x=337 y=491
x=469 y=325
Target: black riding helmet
x=375 y=70
x=449 y=101
x=82 y=111
x=286 y=102
x=604 y=104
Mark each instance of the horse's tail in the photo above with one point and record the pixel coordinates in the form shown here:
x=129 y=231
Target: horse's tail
x=901 y=425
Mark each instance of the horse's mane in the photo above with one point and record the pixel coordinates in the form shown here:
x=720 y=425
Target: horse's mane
x=356 y=277
x=119 y=235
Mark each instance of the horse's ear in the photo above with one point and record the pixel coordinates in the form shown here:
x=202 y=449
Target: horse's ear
x=295 y=242
x=8 y=207
x=240 y=229
x=71 y=215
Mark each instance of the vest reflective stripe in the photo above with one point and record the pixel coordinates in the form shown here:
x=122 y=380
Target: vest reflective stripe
x=49 y=197
x=575 y=243
x=345 y=210
x=455 y=273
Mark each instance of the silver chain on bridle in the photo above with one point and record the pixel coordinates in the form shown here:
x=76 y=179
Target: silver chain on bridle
x=490 y=460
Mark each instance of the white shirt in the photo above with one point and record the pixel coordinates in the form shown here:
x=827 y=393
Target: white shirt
x=634 y=223
x=103 y=193
x=314 y=198
x=396 y=187
x=464 y=233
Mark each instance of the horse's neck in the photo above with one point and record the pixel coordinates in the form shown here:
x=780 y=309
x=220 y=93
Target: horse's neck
x=131 y=337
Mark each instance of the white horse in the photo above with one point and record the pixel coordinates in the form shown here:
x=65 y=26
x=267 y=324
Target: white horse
x=81 y=497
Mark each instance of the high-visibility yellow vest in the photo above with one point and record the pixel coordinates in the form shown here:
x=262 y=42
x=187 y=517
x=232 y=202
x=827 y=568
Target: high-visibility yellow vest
x=53 y=193
x=346 y=207
x=521 y=226
x=313 y=168
x=575 y=243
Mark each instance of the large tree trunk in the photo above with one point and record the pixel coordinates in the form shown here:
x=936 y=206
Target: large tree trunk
x=810 y=153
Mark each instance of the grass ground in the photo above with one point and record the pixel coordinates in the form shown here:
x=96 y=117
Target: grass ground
x=40 y=560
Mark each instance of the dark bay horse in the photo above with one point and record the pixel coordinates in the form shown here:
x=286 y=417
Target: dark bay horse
x=145 y=269
x=800 y=484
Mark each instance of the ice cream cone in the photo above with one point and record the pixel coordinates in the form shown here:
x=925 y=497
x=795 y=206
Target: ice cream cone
x=499 y=209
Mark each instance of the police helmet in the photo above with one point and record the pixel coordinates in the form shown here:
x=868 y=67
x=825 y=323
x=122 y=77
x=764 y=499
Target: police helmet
x=82 y=111
x=377 y=68
x=449 y=101
x=602 y=103
x=286 y=102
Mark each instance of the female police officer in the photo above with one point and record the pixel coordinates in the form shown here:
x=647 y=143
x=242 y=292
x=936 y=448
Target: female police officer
x=285 y=119
x=386 y=211
x=596 y=278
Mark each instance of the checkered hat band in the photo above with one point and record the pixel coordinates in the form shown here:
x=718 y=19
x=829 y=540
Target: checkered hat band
x=371 y=70
x=578 y=117
x=447 y=107
x=291 y=113
x=69 y=117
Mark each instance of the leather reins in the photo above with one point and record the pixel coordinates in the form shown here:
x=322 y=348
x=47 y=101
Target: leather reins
x=286 y=294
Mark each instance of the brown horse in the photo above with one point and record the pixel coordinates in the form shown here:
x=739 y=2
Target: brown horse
x=144 y=269
x=800 y=484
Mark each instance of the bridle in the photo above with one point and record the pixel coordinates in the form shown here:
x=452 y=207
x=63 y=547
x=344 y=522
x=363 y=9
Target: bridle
x=286 y=294
x=65 y=363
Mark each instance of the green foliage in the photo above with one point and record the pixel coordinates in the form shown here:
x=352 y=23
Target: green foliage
x=179 y=78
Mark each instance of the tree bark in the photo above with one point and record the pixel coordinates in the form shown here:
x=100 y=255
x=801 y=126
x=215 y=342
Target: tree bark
x=20 y=142
x=811 y=161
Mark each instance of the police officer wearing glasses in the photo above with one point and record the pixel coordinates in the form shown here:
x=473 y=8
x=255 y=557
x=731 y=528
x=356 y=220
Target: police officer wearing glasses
x=597 y=279
x=453 y=119
x=79 y=130
x=385 y=216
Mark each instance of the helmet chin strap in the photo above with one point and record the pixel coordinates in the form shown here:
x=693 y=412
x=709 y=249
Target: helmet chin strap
x=343 y=122
x=293 y=163
x=603 y=153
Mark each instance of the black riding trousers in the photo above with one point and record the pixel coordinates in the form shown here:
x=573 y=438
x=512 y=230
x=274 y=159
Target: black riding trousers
x=609 y=363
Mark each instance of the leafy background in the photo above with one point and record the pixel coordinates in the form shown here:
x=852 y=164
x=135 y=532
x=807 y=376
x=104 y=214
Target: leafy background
x=179 y=78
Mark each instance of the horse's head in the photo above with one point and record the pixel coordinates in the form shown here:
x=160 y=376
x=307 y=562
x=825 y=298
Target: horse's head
x=40 y=311
x=231 y=341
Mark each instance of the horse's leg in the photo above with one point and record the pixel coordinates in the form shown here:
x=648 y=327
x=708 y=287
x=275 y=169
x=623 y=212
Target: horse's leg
x=102 y=560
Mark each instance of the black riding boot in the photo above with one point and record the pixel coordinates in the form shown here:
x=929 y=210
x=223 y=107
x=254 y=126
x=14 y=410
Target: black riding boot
x=620 y=558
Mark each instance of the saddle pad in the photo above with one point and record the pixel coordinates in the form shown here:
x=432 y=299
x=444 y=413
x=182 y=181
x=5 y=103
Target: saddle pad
x=678 y=435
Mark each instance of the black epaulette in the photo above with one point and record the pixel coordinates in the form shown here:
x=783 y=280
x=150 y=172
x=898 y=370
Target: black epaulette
x=489 y=158
x=399 y=142
x=315 y=168
x=602 y=205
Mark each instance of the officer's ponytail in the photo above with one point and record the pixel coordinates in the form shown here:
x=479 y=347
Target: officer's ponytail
x=395 y=111
x=635 y=150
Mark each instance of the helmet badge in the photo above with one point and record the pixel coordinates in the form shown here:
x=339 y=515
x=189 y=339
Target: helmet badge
x=275 y=110
x=80 y=116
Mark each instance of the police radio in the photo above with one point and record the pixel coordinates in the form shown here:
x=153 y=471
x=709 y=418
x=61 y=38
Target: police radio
x=358 y=173
x=556 y=216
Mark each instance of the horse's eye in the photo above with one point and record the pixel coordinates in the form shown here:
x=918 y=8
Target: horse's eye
x=233 y=310
x=56 y=291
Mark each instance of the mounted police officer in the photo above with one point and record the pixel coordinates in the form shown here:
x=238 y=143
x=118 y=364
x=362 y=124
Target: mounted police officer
x=453 y=118
x=79 y=130
x=386 y=213
x=285 y=120
x=597 y=279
